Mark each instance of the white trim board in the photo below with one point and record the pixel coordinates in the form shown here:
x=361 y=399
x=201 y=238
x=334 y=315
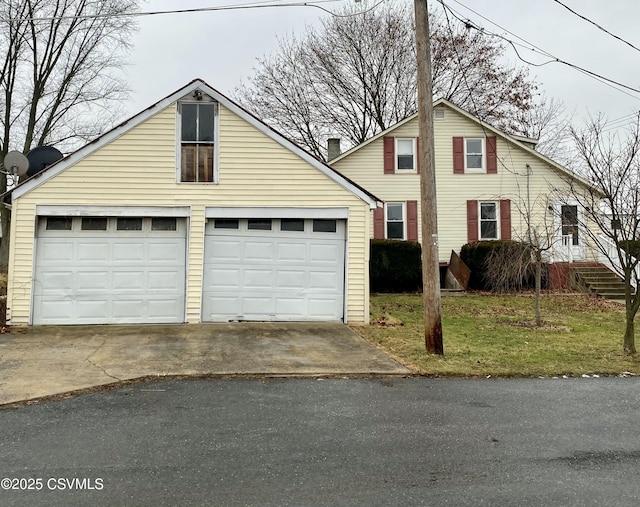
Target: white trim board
x=81 y=210
x=276 y=212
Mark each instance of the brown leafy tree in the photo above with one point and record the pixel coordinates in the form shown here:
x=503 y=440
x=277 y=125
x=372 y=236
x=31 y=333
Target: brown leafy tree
x=58 y=66
x=355 y=76
x=610 y=211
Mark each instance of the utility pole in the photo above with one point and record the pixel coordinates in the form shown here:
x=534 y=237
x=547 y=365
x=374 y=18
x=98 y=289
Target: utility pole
x=426 y=159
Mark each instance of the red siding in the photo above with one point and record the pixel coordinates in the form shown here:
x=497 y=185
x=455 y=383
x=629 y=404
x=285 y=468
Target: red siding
x=378 y=223
x=389 y=155
x=458 y=155
x=505 y=219
x=492 y=156
x=412 y=220
x=472 y=221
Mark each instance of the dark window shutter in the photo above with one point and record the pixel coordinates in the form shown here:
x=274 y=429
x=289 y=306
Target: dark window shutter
x=492 y=156
x=412 y=220
x=378 y=223
x=389 y=155
x=417 y=155
x=505 y=219
x=458 y=155
x=472 y=221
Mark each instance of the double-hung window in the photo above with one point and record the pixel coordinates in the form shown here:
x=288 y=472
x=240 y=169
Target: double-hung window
x=405 y=154
x=395 y=220
x=197 y=142
x=488 y=220
x=474 y=154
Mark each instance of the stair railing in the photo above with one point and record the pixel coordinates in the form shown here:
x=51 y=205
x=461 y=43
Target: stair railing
x=609 y=257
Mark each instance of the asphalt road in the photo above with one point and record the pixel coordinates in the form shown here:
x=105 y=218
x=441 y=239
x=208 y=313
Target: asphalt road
x=333 y=442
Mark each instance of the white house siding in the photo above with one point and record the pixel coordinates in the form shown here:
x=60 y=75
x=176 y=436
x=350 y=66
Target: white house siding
x=365 y=167
x=139 y=168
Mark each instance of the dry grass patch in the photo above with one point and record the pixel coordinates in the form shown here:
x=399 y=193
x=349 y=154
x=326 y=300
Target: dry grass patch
x=487 y=334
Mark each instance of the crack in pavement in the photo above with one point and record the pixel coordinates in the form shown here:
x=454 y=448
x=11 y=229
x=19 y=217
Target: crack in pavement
x=88 y=359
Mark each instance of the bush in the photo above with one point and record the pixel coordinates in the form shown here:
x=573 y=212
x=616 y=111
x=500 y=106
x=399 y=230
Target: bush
x=395 y=266
x=631 y=246
x=501 y=266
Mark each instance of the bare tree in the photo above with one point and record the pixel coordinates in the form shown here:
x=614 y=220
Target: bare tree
x=59 y=61
x=611 y=162
x=355 y=76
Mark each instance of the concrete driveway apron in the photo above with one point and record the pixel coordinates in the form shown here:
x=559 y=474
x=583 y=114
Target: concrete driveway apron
x=49 y=360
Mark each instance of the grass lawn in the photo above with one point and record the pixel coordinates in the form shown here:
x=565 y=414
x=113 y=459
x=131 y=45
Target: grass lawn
x=493 y=335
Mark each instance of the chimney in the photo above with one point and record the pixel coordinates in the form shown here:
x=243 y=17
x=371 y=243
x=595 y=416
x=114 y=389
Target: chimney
x=333 y=148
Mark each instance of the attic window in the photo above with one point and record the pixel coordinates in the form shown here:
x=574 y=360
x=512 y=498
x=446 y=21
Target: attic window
x=438 y=113
x=197 y=142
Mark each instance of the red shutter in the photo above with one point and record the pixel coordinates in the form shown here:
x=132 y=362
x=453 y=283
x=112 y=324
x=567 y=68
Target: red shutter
x=378 y=223
x=505 y=219
x=472 y=221
x=492 y=156
x=418 y=155
x=458 y=155
x=412 y=220
x=389 y=155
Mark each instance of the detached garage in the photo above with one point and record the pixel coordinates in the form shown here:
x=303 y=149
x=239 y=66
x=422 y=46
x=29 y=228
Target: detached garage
x=191 y=211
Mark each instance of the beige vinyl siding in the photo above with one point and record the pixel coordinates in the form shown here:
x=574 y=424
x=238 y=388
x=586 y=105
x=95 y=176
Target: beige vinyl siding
x=365 y=167
x=139 y=168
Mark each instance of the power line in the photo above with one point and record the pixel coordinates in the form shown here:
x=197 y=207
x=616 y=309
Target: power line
x=532 y=47
x=250 y=5
x=597 y=25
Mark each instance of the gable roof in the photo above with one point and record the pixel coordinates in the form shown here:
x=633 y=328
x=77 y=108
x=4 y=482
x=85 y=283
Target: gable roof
x=196 y=84
x=521 y=142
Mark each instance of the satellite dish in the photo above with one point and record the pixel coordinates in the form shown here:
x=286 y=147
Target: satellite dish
x=42 y=157
x=16 y=163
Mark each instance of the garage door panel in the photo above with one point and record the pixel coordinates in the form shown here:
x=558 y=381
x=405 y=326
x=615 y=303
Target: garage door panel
x=224 y=278
x=128 y=252
x=58 y=252
x=87 y=281
x=164 y=280
x=258 y=251
x=92 y=252
x=128 y=280
x=164 y=252
x=292 y=252
x=258 y=279
x=117 y=277
x=272 y=275
x=55 y=282
x=324 y=280
x=292 y=279
x=93 y=309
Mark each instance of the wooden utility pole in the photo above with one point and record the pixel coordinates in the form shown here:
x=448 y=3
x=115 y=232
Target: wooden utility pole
x=426 y=159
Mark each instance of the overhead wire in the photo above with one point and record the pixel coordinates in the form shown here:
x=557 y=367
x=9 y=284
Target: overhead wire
x=250 y=5
x=536 y=49
x=597 y=25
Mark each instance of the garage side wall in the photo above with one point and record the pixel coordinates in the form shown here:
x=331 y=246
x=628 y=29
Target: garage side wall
x=139 y=169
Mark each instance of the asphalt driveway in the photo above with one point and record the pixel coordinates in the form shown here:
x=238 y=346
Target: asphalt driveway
x=50 y=360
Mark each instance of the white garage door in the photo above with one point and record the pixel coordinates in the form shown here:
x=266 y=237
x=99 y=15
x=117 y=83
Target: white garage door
x=98 y=270
x=273 y=270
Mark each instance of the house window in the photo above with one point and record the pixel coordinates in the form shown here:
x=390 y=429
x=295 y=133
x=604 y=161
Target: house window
x=405 y=154
x=438 y=113
x=488 y=220
x=395 y=220
x=569 y=217
x=474 y=154
x=197 y=137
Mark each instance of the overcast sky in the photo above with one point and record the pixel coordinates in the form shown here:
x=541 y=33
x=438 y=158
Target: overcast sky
x=221 y=47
